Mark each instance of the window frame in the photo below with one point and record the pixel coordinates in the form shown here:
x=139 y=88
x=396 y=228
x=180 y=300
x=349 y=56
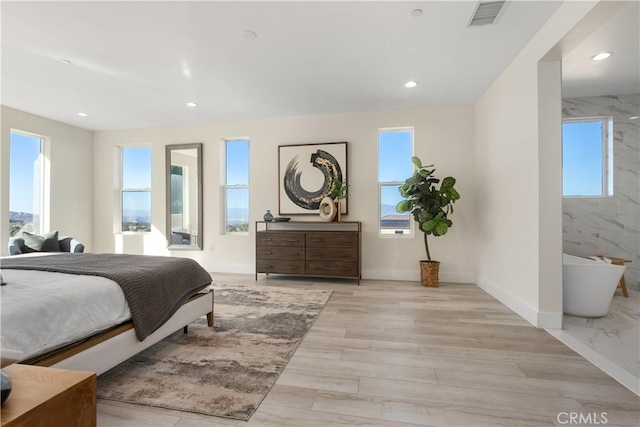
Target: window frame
x=607 y=155
x=121 y=190
x=226 y=187
x=381 y=184
x=44 y=196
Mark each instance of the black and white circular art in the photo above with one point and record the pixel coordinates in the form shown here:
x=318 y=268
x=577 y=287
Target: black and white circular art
x=308 y=175
x=310 y=198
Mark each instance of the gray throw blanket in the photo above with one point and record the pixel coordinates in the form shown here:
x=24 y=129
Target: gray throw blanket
x=154 y=287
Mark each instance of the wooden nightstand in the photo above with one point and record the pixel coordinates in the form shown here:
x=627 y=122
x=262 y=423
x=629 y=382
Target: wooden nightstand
x=49 y=397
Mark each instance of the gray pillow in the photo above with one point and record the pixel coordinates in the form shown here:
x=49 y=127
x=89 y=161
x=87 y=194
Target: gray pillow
x=46 y=243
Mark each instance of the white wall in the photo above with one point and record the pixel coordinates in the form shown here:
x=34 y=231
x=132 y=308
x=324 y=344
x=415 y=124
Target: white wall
x=519 y=187
x=443 y=136
x=71 y=176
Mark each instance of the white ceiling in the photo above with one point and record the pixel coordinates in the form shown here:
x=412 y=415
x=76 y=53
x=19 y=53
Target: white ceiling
x=618 y=75
x=136 y=64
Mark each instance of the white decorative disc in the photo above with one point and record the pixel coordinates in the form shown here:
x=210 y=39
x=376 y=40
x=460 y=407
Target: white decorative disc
x=327 y=209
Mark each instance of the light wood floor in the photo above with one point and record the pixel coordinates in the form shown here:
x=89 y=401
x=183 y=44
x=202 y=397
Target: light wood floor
x=397 y=354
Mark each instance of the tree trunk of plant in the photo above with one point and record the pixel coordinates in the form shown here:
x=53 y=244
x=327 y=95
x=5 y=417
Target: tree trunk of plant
x=426 y=246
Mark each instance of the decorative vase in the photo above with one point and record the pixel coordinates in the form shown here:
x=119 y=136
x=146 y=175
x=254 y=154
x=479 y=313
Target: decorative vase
x=429 y=273
x=268 y=217
x=327 y=209
x=338 y=210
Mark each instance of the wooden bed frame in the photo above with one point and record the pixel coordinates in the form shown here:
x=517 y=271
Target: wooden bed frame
x=107 y=349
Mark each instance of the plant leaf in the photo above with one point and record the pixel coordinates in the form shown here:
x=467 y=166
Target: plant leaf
x=448 y=182
x=442 y=228
x=416 y=161
x=428 y=226
x=403 y=206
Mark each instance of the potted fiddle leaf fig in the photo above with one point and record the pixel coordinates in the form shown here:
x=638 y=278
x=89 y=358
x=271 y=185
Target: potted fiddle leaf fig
x=430 y=207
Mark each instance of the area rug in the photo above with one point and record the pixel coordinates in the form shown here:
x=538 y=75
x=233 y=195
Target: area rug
x=227 y=370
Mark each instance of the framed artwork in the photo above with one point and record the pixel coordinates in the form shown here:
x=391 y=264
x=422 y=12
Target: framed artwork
x=306 y=175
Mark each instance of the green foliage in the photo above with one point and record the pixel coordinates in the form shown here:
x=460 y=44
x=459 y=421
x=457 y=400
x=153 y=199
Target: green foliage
x=429 y=204
x=340 y=189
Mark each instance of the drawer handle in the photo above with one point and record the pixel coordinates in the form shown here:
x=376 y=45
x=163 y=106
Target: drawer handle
x=268 y=266
x=292 y=240
x=317 y=241
x=267 y=240
x=268 y=253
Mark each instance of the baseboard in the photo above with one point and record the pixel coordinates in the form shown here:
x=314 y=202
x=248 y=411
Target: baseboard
x=401 y=275
x=453 y=277
x=414 y=276
x=234 y=269
x=521 y=308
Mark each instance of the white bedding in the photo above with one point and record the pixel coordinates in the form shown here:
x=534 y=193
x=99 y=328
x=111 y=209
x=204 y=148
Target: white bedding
x=41 y=311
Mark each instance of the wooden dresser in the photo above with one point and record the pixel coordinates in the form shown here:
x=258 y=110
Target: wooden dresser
x=323 y=249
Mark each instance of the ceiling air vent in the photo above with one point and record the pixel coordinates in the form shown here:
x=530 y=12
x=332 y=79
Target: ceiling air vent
x=486 y=12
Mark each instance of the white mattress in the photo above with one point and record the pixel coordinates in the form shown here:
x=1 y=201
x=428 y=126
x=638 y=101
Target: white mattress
x=41 y=311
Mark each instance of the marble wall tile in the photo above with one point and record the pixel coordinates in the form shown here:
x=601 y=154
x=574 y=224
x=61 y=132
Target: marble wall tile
x=609 y=225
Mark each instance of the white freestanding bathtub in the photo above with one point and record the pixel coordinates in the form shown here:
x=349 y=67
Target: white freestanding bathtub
x=588 y=285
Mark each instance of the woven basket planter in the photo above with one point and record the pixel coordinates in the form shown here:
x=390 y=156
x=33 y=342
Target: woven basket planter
x=429 y=273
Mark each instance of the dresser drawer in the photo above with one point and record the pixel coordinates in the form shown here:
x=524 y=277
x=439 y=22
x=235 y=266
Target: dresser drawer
x=332 y=268
x=280 y=266
x=332 y=254
x=332 y=240
x=279 y=239
x=295 y=253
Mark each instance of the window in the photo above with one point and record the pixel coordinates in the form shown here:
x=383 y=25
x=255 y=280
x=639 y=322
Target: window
x=26 y=183
x=395 y=149
x=135 y=189
x=236 y=188
x=587 y=157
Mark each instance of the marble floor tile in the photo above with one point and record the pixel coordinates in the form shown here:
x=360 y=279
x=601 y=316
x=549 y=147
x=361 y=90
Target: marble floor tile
x=614 y=337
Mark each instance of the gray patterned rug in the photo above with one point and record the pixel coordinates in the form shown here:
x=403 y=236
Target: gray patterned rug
x=225 y=371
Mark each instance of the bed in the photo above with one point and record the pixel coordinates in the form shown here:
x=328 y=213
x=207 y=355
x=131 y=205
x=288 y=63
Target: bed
x=93 y=311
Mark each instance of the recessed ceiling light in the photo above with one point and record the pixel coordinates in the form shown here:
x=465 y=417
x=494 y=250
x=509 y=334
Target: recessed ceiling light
x=410 y=84
x=250 y=35
x=83 y=114
x=65 y=61
x=416 y=12
x=601 y=56
x=191 y=104
x=634 y=118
